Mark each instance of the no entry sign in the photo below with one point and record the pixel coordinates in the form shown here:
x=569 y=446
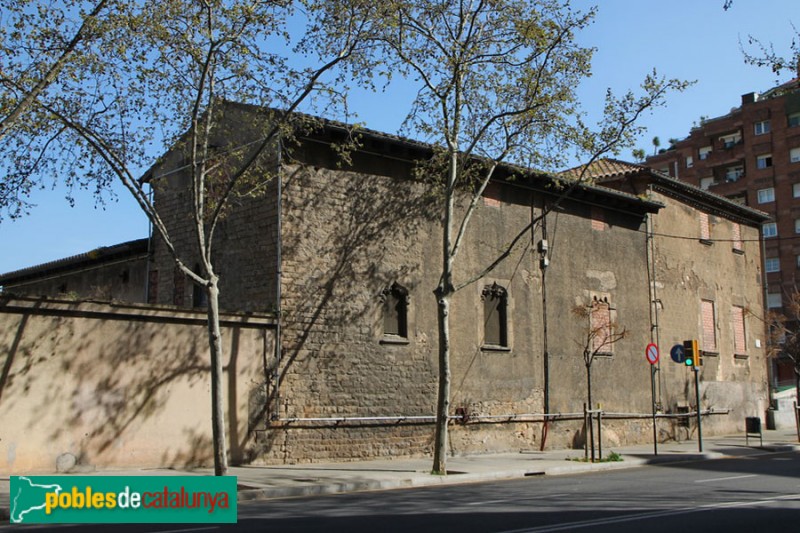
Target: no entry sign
x=651 y=353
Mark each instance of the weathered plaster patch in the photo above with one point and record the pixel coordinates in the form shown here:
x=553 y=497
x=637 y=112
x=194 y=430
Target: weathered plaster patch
x=606 y=278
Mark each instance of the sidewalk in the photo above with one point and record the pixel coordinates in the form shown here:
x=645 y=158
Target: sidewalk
x=264 y=482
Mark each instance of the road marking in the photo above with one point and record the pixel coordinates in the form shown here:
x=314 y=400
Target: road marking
x=184 y=530
x=645 y=516
x=724 y=478
x=511 y=500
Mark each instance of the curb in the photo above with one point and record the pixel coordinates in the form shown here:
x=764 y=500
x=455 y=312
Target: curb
x=422 y=480
x=426 y=480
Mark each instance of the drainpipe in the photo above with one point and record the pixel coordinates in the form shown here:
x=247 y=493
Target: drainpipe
x=655 y=330
x=149 y=259
x=544 y=261
x=276 y=376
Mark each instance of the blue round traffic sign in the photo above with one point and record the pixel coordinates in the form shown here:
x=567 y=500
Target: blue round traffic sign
x=677 y=353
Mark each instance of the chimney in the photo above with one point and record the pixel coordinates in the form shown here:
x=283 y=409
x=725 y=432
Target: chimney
x=749 y=98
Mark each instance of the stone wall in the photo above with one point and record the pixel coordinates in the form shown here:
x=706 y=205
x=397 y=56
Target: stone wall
x=347 y=235
x=342 y=390
x=689 y=270
x=89 y=385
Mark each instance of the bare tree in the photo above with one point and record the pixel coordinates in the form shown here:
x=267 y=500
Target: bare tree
x=497 y=84
x=783 y=330
x=42 y=45
x=600 y=332
x=26 y=71
x=168 y=87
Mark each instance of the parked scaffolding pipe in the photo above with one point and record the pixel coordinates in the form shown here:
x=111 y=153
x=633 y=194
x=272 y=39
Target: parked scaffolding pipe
x=535 y=417
x=529 y=417
x=276 y=373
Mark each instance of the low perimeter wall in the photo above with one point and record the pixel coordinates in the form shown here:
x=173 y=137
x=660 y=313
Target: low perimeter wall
x=85 y=385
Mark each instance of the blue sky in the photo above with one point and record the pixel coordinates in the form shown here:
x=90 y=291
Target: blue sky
x=686 y=39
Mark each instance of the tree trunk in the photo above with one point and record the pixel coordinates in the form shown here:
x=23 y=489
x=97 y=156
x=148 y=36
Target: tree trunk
x=590 y=429
x=444 y=293
x=443 y=400
x=217 y=400
x=797 y=384
x=589 y=386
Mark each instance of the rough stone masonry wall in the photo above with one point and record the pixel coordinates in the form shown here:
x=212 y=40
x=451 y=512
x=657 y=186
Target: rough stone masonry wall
x=244 y=246
x=85 y=385
x=346 y=237
x=688 y=271
x=597 y=253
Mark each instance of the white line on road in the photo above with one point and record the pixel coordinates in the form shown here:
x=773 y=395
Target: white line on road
x=512 y=500
x=724 y=478
x=189 y=529
x=646 y=516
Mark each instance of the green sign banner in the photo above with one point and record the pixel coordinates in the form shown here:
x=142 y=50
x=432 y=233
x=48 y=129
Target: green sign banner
x=122 y=499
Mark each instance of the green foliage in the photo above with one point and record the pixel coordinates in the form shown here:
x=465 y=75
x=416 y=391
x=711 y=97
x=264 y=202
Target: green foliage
x=612 y=457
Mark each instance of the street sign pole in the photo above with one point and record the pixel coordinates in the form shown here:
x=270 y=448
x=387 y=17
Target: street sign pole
x=697 y=398
x=651 y=353
x=653 y=395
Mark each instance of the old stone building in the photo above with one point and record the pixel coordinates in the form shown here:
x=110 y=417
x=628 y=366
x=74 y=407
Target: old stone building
x=751 y=155
x=347 y=253
x=109 y=273
x=704 y=253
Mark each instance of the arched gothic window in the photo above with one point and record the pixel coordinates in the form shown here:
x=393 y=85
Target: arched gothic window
x=395 y=311
x=495 y=315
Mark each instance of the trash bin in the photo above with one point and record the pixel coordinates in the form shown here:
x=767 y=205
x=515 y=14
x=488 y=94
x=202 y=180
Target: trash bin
x=753 y=424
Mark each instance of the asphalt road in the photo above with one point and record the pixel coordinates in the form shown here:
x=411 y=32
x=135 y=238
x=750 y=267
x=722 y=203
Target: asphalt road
x=750 y=494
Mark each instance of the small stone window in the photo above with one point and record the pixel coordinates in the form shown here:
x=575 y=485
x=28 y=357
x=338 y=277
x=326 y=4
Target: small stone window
x=738 y=243
x=709 y=324
x=495 y=316
x=395 y=300
x=705 y=229
x=739 y=337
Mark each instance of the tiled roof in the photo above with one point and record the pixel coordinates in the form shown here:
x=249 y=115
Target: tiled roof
x=608 y=170
x=604 y=168
x=97 y=256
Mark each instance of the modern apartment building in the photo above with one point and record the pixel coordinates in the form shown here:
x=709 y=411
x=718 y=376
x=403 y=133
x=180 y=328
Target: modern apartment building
x=752 y=156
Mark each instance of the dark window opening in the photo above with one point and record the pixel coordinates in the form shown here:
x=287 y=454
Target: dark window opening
x=495 y=316
x=395 y=311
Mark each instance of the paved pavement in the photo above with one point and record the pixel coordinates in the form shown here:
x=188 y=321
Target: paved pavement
x=282 y=481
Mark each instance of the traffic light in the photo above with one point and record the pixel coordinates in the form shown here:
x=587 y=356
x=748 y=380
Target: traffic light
x=692 y=352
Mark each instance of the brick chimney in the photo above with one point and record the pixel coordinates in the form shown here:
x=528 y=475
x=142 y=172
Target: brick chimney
x=749 y=98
